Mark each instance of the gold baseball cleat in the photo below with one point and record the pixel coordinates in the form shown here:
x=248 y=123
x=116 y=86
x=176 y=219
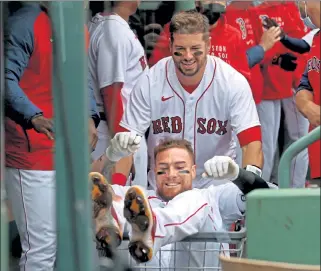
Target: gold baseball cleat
x=107 y=229
x=139 y=214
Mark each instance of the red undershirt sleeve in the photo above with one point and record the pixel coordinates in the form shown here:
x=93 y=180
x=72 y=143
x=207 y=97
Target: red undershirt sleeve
x=249 y=135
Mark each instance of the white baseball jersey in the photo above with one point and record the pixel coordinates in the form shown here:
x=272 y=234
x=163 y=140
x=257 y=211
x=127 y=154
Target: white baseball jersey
x=115 y=55
x=221 y=103
x=211 y=210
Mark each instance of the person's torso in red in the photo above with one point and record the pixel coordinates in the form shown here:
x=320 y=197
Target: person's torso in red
x=27 y=149
x=313 y=66
x=278 y=83
x=227 y=44
x=241 y=19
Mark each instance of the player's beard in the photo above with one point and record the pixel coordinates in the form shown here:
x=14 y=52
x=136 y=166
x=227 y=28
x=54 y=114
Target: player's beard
x=199 y=63
x=171 y=194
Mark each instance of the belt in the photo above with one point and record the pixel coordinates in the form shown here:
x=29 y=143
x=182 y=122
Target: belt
x=102 y=116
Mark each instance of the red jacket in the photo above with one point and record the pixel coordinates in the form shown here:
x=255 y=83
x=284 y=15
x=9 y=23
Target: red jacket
x=242 y=20
x=29 y=68
x=278 y=83
x=30 y=58
x=226 y=43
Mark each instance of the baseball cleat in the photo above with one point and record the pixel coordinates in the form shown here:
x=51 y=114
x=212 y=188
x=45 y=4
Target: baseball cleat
x=107 y=229
x=139 y=214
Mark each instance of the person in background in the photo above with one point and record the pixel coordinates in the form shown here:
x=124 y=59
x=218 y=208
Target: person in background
x=116 y=61
x=308 y=92
x=281 y=70
x=29 y=133
x=239 y=14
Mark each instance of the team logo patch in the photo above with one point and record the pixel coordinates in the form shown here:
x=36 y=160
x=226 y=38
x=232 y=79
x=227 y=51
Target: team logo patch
x=241 y=23
x=314 y=64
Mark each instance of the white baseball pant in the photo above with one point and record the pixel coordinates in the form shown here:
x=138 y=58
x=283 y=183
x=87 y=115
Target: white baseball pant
x=140 y=157
x=296 y=125
x=32 y=197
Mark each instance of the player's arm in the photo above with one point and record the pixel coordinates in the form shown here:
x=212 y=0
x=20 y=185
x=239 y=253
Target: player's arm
x=113 y=108
x=122 y=145
x=296 y=45
x=304 y=100
x=112 y=62
x=256 y=53
x=245 y=122
x=231 y=197
x=19 y=46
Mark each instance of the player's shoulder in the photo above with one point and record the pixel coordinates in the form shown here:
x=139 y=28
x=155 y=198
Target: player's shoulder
x=24 y=18
x=112 y=27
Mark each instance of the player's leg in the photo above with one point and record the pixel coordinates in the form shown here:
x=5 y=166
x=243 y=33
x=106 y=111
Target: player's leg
x=152 y=229
x=296 y=126
x=107 y=214
x=32 y=196
x=269 y=114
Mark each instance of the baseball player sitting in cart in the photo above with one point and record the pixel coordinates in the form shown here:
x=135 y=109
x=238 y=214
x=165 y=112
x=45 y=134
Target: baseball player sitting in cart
x=180 y=210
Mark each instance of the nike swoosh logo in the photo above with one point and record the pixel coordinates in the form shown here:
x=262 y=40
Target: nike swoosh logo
x=165 y=99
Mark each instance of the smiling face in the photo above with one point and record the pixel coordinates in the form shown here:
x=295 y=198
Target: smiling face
x=190 y=42
x=189 y=52
x=175 y=171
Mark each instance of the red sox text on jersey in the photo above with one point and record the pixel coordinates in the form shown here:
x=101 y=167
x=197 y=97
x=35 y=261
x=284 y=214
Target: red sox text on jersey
x=174 y=125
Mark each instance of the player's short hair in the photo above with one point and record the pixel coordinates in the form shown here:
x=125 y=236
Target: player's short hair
x=170 y=143
x=189 y=22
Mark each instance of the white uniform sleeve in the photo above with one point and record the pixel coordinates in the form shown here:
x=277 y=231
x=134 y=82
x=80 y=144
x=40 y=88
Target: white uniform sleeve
x=137 y=115
x=243 y=113
x=230 y=200
x=112 y=58
x=308 y=38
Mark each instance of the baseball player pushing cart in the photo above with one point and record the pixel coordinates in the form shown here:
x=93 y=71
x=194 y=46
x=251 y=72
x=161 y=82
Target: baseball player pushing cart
x=194 y=96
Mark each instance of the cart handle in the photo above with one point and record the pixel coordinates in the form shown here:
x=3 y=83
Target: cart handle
x=284 y=176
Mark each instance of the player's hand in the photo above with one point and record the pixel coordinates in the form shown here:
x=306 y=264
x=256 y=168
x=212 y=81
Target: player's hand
x=286 y=61
x=123 y=144
x=270 y=37
x=221 y=167
x=43 y=125
x=269 y=23
x=93 y=137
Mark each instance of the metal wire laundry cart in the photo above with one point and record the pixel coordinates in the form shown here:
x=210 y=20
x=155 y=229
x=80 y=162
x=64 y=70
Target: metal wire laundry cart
x=198 y=252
